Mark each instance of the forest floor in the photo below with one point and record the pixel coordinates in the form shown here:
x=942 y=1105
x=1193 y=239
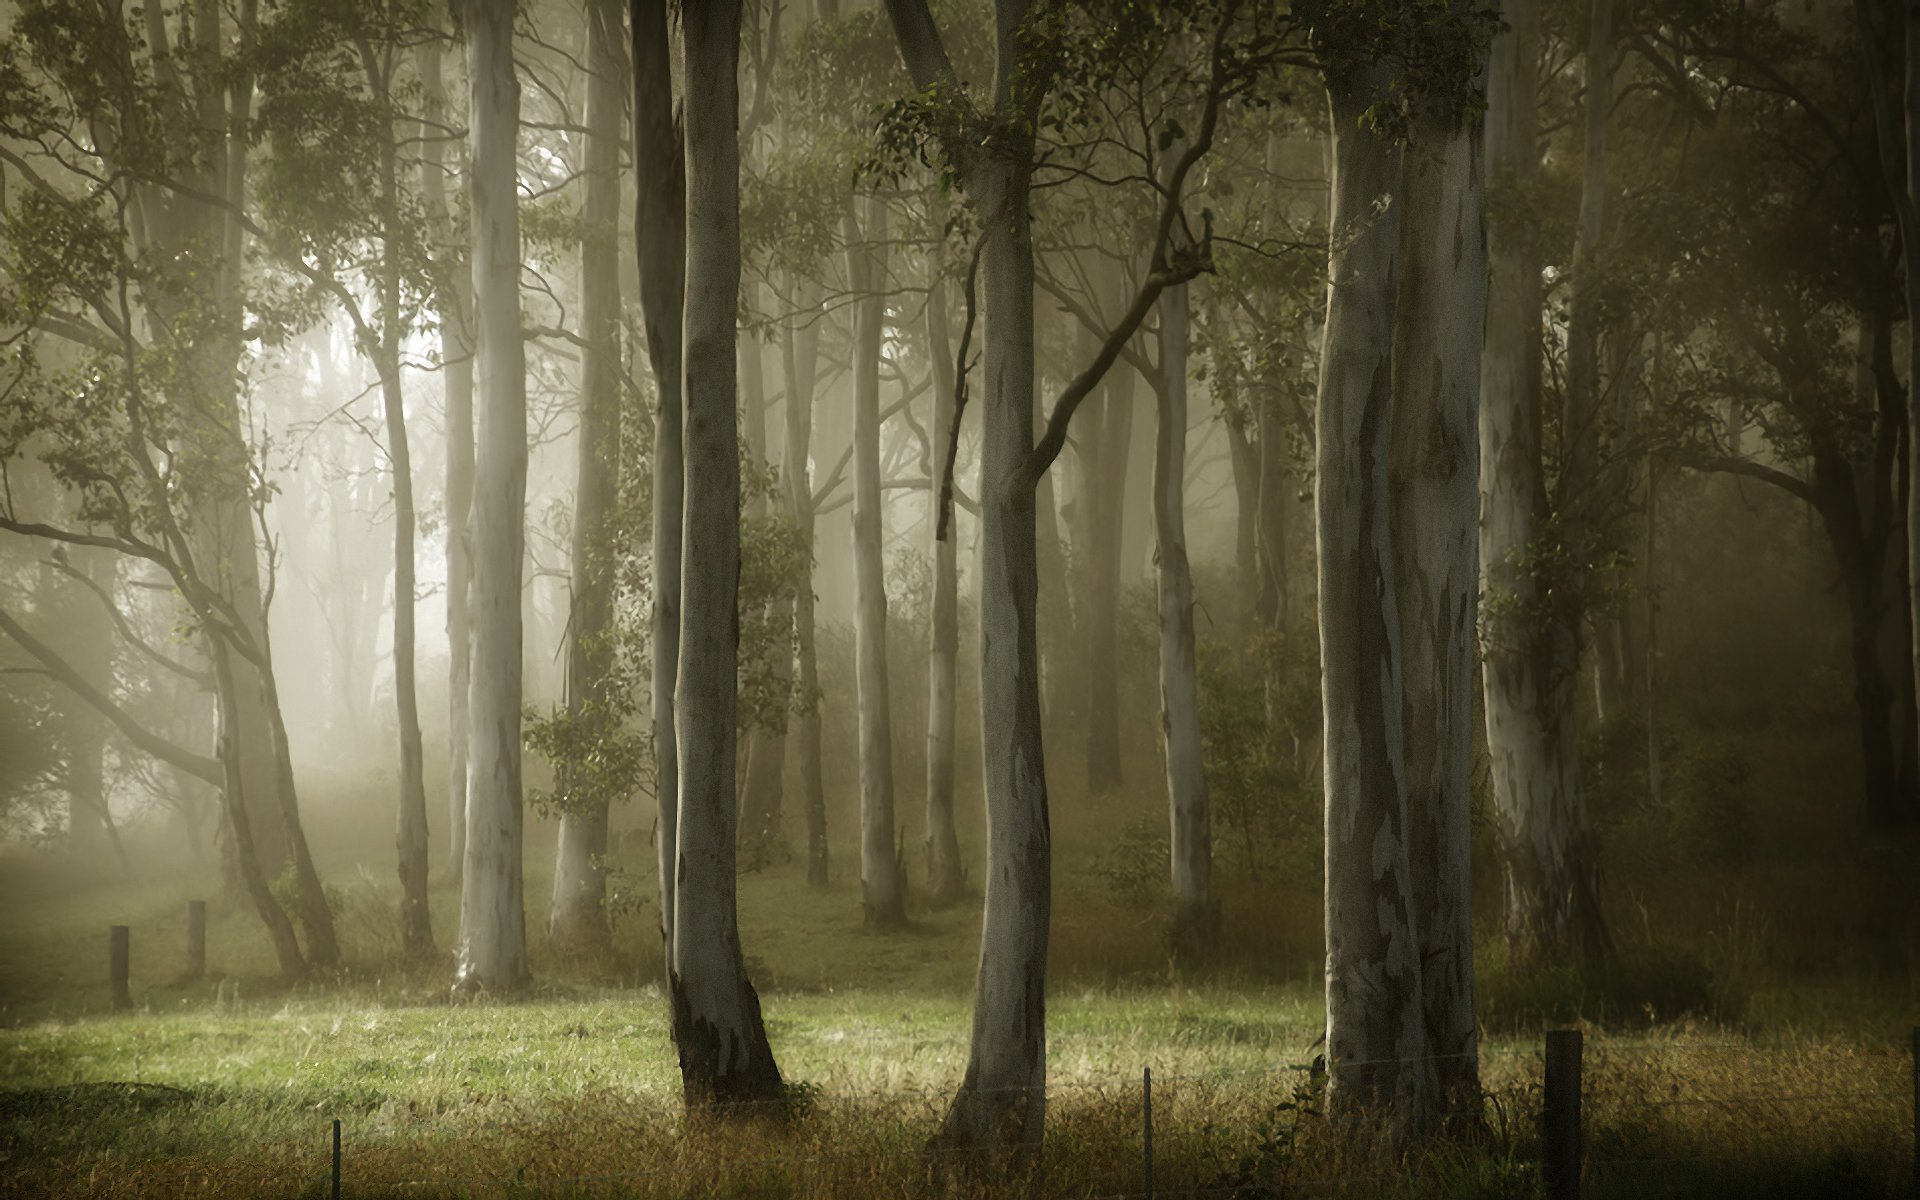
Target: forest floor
x=228 y=1086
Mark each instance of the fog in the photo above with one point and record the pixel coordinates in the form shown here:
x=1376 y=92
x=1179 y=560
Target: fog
x=1383 y=529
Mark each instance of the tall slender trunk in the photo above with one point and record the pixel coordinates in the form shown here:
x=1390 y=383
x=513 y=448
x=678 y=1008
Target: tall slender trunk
x=579 y=913
x=1099 y=616
x=1243 y=459
x=1531 y=652
x=410 y=832
x=1191 y=829
x=253 y=876
x=1439 y=329
x=1001 y=1105
x=659 y=226
x=882 y=882
x=724 y=1054
x=493 y=935
x=454 y=301
x=765 y=757
x=946 y=877
x=800 y=356
x=1375 y=1034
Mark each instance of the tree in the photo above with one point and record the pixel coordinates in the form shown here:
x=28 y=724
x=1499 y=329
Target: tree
x=579 y=876
x=724 y=1054
x=493 y=935
x=883 y=892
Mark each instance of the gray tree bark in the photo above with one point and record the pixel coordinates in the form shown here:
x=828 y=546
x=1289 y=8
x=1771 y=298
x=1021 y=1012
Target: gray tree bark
x=1375 y=1035
x=882 y=881
x=579 y=912
x=946 y=877
x=800 y=349
x=493 y=934
x=1530 y=656
x=1438 y=334
x=660 y=243
x=724 y=1054
x=454 y=301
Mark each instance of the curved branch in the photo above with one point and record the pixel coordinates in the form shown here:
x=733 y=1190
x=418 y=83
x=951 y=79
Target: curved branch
x=197 y=765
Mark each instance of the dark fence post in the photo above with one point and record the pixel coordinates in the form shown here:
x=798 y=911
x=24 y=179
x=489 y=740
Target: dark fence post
x=1916 y=1110
x=118 y=952
x=1146 y=1111
x=1560 y=1115
x=196 y=939
x=336 y=1158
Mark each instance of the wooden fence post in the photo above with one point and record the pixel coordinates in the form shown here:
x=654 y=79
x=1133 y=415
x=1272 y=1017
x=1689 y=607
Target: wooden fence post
x=1146 y=1110
x=1916 y=1110
x=336 y=1158
x=1560 y=1115
x=118 y=954
x=196 y=939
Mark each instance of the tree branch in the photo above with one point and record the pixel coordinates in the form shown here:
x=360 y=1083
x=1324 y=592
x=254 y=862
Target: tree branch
x=197 y=765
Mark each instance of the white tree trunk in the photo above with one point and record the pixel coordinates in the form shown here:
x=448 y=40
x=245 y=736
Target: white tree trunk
x=1001 y=1105
x=1191 y=827
x=724 y=1055
x=456 y=350
x=1375 y=1037
x=1439 y=329
x=1530 y=659
x=579 y=912
x=882 y=882
x=800 y=350
x=493 y=935
x=946 y=877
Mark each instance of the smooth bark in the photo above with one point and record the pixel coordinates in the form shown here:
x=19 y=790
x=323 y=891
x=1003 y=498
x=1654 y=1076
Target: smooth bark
x=1191 y=834
x=1438 y=334
x=1375 y=1041
x=717 y=1027
x=493 y=937
x=882 y=879
x=660 y=243
x=946 y=877
x=579 y=912
x=800 y=357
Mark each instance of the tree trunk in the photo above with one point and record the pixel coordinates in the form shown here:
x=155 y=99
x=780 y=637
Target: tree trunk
x=882 y=882
x=660 y=242
x=1531 y=651
x=1191 y=830
x=1244 y=460
x=760 y=783
x=410 y=832
x=1438 y=332
x=1099 y=618
x=579 y=913
x=800 y=356
x=946 y=877
x=493 y=937
x=1000 y=1109
x=724 y=1055
x=455 y=305
x=1375 y=1033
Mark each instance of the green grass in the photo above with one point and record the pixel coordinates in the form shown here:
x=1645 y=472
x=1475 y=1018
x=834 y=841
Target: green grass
x=226 y=1087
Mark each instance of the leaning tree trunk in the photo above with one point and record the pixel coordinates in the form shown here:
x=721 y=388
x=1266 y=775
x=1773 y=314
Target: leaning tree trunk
x=800 y=356
x=1192 y=835
x=410 y=827
x=882 y=882
x=659 y=228
x=1439 y=328
x=1375 y=1036
x=454 y=301
x=724 y=1055
x=493 y=933
x=1531 y=650
x=579 y=913
x=946 y=877
x=1000 y=1109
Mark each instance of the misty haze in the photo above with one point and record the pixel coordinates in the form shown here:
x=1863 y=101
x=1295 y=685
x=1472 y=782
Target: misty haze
x=857 y=598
